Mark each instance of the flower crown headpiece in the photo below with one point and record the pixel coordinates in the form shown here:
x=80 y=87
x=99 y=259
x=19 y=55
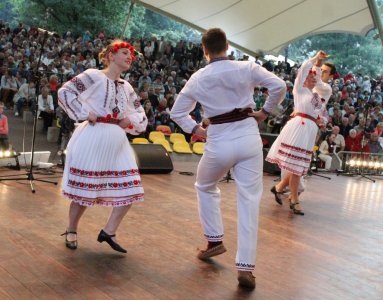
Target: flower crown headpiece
x=122 y=45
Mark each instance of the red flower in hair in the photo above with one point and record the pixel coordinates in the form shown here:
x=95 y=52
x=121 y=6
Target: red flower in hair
x=313 y=72
x=121 y=45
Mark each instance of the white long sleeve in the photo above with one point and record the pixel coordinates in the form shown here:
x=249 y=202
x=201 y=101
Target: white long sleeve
x=221 y=87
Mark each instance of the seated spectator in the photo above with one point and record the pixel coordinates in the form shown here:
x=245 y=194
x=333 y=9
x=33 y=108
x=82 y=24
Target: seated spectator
x=379 y=129
x=54 y=85
x=150 y=115
x=375 y=146
x=4 y=145
x=353 y=141
x=45 y=108
x=363 y=146
x=157 y=84
x=339 y=139
x=162 y=115
x=8 y=88
x=326 y=150
x=345 y=127
x=26 y=94
x=143 y=78
x=361 y=126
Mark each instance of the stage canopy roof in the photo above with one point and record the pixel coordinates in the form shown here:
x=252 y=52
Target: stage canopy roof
x=270 y=25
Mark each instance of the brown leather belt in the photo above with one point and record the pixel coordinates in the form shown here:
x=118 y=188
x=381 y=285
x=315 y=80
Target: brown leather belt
x=303 y=115
x=237 y=114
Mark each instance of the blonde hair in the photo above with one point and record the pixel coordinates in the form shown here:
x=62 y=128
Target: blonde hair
x=103 y=55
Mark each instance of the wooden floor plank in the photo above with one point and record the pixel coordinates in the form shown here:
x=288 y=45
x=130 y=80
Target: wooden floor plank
x=333 y=252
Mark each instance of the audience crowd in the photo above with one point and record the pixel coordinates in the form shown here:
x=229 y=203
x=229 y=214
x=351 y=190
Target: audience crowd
x=355 y=114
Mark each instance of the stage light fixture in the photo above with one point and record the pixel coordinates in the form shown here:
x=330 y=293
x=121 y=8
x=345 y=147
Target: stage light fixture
x=361 y=163
x=8 y=153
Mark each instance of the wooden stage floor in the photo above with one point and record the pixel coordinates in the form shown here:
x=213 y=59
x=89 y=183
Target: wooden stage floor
x=335 y=251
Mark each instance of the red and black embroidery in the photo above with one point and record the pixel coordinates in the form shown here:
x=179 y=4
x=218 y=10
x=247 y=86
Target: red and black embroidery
x=114 y=202
x=104 y=186
x=80 y=86
x=282 y=165
x=292 y=156
x=244 y=266
x=316 y=101
x=214 y=238
x=296 y=148
x=103 y=174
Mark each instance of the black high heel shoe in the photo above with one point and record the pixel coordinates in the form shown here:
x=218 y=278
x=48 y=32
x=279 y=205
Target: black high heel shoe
x=295 y=210
x=277 y=194
x=104 y=237
x=70 y=244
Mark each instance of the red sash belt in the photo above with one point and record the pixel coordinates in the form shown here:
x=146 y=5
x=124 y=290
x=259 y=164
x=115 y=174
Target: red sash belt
x=237 y=114
x=107 y=120
x=298 y=114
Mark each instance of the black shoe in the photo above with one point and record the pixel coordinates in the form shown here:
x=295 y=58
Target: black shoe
x=295 y=210
x=104 y=237
x=70 y=244
x=277 y=195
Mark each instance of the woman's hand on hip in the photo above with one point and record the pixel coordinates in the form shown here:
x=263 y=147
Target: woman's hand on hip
x=124 y=123
x=92 y=118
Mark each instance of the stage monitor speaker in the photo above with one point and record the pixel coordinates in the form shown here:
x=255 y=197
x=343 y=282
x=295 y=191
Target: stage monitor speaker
x=268 y=139
x=152 y=159
x=269 y=167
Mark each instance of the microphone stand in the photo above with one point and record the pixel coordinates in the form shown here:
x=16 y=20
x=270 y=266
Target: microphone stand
x=227 y=178
x=29 y=174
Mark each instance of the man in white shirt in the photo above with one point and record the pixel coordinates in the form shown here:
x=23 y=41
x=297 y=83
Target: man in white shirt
x=339 y=139
x=224 y=88
x=45 y=108
x=26 y=93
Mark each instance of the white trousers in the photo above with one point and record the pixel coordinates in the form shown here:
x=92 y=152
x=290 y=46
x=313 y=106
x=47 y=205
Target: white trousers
x=327 y=159
x=244 y=155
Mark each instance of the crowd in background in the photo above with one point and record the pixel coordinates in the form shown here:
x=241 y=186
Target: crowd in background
x=355 y=114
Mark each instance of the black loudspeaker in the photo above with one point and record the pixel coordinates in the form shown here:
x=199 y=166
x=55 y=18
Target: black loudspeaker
x=269 y=167
x=152 y=159
x=267 y=140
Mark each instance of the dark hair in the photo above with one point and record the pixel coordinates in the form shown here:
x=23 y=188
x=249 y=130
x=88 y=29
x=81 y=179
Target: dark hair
x=332 y=67
x=214 y=40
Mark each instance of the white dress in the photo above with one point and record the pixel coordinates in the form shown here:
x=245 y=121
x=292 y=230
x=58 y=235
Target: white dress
x=100 y=166
x=293 y=148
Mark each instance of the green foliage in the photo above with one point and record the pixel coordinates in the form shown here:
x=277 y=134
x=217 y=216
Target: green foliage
x=99 y=15
x=75 y=16
x=6 y=13
x=145 y=23
x=349 y=52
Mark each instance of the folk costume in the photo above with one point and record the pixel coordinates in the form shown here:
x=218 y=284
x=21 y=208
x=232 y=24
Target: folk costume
x=293 y=148
x=100 y=165
x=225 y=90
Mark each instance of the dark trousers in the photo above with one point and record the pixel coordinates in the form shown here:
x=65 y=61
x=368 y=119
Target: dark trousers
x=4 y=145
x=48 y=118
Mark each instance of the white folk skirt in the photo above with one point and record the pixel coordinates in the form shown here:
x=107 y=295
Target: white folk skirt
x=293 y=148
x=101 y=168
